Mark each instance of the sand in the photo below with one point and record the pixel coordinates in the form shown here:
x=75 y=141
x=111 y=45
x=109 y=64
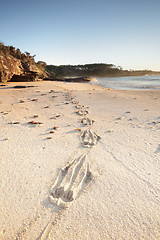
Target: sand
x=79 y=161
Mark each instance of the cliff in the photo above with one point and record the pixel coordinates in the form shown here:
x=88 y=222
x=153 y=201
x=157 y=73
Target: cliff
x=17 y=66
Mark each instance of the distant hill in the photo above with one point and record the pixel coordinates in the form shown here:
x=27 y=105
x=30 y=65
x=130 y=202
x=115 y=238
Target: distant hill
x=17 y=66
x=94 y=70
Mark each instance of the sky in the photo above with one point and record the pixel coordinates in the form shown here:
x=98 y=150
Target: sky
x=60 y=32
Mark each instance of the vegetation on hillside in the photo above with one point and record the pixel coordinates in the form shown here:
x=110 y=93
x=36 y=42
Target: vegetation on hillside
x=24 y=57
x=94 y=70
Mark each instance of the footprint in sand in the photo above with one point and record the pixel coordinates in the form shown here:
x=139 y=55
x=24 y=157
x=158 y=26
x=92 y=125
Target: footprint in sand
x=70 y=182
x=87 y=121
x=89 y=138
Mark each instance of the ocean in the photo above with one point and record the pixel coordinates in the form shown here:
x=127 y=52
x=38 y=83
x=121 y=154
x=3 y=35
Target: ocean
x=130 y=83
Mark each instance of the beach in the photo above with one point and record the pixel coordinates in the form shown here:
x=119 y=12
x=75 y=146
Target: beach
x=79 y=161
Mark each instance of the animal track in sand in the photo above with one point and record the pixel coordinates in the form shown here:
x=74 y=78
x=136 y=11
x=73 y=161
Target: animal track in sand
x=79 y=106
x=89 y=138
x=70 y=182
x=82 y=112
x=87 y=121
x=74 y=101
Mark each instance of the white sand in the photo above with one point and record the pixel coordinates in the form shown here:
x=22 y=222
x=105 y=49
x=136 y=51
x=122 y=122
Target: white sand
x=122 y=201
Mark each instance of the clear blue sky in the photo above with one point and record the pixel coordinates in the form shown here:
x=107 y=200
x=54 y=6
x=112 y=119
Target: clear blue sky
x=125 y=33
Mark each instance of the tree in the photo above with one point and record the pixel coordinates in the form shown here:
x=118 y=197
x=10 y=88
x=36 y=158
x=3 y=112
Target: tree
x=12 y=50
x=27 y=54
x=18 y=53
x=41 y=63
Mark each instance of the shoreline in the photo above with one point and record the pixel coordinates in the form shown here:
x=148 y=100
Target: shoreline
x=120 y=200
x=130 y=82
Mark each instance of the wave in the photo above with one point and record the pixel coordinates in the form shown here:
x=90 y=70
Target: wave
x=93 y=79
x=129 y=83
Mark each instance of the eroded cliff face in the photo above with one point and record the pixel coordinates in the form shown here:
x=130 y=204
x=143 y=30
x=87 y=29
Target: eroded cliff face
x=14 y=69
x=8 y=67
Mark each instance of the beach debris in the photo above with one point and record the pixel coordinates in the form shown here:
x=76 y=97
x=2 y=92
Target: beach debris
x=48 y=138
x=43 y=94
x=51 y=132
x=14 y=123
x=87 y=121
x=77 y=129
x=118 y=118
x=55 y=128
x=109 y=131
x=34 y=99
x=55 y=117
x=46 y=107
x=22 y=86
x=154 y=122
x=128 y=112
x=33 y=122
x=21 y=101
x=5 y=139
x=35 y=116
x=51 y=91
x=89 y=138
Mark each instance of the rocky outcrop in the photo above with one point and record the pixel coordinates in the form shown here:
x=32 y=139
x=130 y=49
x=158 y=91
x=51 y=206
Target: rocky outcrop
x=78 y=79
x=14 y=69
x=8 y=67
x=72 y=79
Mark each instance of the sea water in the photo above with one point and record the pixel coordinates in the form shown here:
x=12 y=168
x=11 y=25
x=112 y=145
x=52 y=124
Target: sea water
x=130 y=82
